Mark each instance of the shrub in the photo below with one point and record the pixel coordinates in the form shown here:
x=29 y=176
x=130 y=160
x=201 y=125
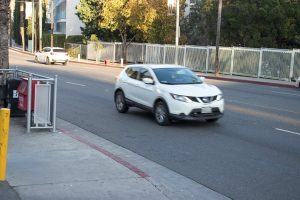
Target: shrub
x=58 y=40
x=75 y=39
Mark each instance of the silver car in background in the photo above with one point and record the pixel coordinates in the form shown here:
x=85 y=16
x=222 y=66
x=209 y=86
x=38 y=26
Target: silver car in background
x=51 y=55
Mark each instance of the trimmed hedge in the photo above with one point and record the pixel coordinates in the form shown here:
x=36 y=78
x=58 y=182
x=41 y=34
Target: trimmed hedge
x=58 y=40
x=75 y=39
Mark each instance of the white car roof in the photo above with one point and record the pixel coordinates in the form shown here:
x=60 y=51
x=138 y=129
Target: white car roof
x=157 y=66
x=54 y=47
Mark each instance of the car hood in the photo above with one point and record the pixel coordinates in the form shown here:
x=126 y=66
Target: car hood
x=194 y=90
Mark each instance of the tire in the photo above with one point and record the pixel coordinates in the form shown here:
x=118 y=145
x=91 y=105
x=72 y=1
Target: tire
x=65 y=63
x=120 y=102
x=47 y=61
x=161 y=114
x=36 y=60
x=212 y=120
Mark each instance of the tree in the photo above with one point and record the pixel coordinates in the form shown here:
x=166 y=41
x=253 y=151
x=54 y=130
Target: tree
x=4 y=24
x=130 y=18
x=16 y=23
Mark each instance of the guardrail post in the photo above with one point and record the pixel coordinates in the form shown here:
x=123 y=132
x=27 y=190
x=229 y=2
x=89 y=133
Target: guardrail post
x=292 y=64
x=29 y=85
x=4 y=131
x=260 y=63
x=232 y=59
x=54 y=104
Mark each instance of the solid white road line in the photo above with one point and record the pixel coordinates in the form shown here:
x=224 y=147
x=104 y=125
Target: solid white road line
x=76 y=84
x=293 y=94
x=278 y=129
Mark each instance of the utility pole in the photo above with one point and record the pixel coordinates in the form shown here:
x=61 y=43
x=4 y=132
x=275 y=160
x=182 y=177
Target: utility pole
x=40 y=25
x=52 y=21
x=32 y=27
x=217 y=62
x=177 y=32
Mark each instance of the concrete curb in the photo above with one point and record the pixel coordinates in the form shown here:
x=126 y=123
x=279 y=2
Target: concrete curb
x=249 y=81
x=266 y=83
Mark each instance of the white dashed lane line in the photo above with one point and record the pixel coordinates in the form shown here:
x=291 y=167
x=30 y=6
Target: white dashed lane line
x=287 y=93
x=71 y=83
x=282 y=130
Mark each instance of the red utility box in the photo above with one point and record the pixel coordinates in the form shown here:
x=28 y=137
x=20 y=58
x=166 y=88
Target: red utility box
x=23 y=94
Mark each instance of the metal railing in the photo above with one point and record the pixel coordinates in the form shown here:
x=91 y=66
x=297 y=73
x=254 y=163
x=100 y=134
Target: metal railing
x=281 y=64
x=32 y=114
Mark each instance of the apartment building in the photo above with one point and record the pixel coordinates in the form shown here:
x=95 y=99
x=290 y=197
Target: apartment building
x=65 y=19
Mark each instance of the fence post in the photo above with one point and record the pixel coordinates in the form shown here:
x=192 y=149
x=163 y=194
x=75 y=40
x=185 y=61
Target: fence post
x=4 y=131
x=29 y=86
x=232 y=59
x=164 y=59
x=184 y=56
x=146 y=53
x=260 y=63
x=143 y=53
x=207 y=57
x=54 y=104
x=114 y=56
x=292 y=64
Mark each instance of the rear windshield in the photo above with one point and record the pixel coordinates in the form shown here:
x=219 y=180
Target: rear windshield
x=58 y=50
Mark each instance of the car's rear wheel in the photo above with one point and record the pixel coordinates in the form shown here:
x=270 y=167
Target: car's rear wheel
x=47 y=61
x=36 y=60
x=65 y=63
x=161 y=113
x=120 y=102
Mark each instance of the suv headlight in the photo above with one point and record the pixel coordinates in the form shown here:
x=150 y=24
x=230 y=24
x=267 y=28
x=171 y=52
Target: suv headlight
x=219 y=97
x=181 y=98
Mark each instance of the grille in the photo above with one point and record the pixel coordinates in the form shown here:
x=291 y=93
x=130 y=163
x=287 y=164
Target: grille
x=203 y=99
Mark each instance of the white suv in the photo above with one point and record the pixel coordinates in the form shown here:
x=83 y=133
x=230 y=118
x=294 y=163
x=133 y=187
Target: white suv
x=169 y=92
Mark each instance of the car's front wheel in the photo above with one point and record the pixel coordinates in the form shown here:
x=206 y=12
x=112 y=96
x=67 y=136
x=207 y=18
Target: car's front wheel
x=161 y=113
x=120 y=102
x=65 y=63
x=36 y=60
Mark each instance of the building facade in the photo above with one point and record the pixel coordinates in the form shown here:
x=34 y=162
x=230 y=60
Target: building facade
x=65 y=20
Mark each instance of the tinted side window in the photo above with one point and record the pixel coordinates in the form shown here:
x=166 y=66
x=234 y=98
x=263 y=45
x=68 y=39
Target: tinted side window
x=144 y=73
x=132 y=72
x=47 y=49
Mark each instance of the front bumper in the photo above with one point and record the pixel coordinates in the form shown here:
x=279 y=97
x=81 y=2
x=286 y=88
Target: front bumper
x=197 y=114
x=195 y=110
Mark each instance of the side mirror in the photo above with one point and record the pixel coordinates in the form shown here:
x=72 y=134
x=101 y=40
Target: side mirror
x=148 y=81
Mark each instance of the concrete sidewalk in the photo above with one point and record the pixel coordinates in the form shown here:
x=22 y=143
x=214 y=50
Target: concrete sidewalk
x=75 y=164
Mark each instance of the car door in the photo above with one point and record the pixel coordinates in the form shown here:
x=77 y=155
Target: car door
x=130 y=83
x=145 y=93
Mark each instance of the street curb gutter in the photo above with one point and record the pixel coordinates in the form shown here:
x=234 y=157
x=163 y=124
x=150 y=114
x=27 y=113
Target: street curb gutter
x=208 y=77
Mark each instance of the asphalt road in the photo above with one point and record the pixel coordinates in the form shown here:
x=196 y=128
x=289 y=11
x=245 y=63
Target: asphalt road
x=253 y=152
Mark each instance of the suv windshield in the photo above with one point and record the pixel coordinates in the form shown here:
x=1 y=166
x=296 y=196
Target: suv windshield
x=176 y=76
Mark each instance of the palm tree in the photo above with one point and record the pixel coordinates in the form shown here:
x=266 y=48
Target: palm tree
x=4 y=25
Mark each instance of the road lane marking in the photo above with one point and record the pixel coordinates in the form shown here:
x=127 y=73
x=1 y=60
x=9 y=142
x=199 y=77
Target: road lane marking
x=279 y=129
x=293 y=94
x=76 y=84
